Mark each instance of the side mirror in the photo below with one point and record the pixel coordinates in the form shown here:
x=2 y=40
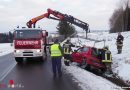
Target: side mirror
x=46 y=33
x=47 y=47
x=11 y=44
x=75 y=50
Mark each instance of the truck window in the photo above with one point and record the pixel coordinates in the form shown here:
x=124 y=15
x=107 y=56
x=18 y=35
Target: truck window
x=27 y=34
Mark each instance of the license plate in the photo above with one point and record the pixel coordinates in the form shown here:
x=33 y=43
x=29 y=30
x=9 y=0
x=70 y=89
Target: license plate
x=27 y=50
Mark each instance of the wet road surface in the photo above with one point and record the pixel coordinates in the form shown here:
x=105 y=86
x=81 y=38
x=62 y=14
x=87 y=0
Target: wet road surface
x=32 y=76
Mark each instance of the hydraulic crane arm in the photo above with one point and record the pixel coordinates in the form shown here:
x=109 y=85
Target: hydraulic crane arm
x=34 y=20
x=46 y=15
x=59 y=16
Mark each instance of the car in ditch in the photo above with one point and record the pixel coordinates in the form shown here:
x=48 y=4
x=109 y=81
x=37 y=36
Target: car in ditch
x=89 y=57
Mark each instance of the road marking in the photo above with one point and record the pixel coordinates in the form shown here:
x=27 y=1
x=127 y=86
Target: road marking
x=7 y=71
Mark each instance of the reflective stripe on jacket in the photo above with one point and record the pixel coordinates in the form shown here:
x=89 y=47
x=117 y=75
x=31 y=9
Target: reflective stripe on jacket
x=108 y=58
x=67 y=48
x=66 y=51
x=119 y=44
x=55 y=51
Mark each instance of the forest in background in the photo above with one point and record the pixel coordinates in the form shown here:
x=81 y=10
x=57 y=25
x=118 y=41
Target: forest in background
x=6 y=37
x=120 y=19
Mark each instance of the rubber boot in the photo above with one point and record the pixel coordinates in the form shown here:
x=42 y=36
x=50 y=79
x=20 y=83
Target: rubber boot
x=67 y=63
x=54 y=76
x=118 y=52
x=60 y=74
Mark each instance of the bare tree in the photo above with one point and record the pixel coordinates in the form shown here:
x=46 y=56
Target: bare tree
x=120 y=20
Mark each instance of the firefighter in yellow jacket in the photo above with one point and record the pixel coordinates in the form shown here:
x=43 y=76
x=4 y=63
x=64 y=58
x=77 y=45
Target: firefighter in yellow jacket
x=107 y=59
x=67 y=51
x=56 y=56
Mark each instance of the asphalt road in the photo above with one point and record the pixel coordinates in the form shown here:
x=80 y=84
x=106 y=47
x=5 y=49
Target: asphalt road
x=32 y=76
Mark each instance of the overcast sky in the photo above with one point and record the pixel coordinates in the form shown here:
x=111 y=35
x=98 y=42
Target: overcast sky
x=17 y=12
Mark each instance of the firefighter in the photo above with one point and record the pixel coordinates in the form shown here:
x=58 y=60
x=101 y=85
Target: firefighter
x=67 y=51
x=56 y=56
x=119 y=42
x=107 y=59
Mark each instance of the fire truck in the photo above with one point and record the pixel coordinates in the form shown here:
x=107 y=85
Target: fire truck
x=29 y=43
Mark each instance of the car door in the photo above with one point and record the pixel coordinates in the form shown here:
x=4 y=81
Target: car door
x=94 y=58
x=77 y=55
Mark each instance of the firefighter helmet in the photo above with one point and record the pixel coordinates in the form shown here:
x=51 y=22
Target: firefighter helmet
x=106 y=47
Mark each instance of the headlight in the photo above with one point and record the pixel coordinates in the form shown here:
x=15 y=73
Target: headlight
x=38 y=50
x=17 y=51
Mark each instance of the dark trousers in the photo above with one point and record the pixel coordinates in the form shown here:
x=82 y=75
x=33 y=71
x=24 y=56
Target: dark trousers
x=56 y=65
x=119 y=48
x=67 y=59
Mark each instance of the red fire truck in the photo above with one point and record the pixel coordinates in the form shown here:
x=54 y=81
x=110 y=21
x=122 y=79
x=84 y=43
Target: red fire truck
x=29 y=43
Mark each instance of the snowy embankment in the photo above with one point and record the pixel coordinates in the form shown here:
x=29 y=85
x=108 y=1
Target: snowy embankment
x=89 y=81
x=5 y=48
x=121 y=62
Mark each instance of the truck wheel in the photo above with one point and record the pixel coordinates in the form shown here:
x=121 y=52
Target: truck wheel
x=19 y=59
x=42 y=59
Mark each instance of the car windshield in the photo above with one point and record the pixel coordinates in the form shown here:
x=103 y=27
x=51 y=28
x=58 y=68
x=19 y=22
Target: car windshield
x=85 y=49
x=27 y=34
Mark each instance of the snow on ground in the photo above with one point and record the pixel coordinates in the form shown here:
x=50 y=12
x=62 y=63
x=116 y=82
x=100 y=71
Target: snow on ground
x=121 y=62
x=89 y=81
x=5 y=48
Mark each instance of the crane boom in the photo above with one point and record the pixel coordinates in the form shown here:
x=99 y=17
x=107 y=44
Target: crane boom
x=34 y=20
x=59 y=16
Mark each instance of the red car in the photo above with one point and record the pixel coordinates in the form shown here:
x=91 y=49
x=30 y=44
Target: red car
x=88 y=56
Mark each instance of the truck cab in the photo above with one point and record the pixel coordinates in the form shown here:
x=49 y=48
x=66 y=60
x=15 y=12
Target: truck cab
x=29 y=43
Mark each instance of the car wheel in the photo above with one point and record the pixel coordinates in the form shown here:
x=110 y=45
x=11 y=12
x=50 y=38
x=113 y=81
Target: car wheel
x=88 y=67
x=83 y=64
x=103 y=70
x=19 y=60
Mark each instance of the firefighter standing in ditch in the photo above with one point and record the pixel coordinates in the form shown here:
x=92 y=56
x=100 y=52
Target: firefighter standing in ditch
x=67 y=51
x=56 y=56
x=119 y=42
x=107 y=59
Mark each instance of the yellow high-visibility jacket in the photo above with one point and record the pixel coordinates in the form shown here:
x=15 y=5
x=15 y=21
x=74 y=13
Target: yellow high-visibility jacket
x=55 y=50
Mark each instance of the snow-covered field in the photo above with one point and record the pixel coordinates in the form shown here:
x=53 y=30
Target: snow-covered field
x=5 y=48
x=121 y=62
x=89 y=81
